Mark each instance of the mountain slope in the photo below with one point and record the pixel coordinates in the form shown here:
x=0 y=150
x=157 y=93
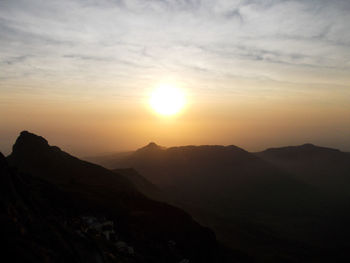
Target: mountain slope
x=249 y=202
x=147 y=225
x=33 y=222
x=326 y=168
x=142 y=184
x=226 y=177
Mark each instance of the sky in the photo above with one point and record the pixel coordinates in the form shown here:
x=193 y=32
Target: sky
x=256 y=74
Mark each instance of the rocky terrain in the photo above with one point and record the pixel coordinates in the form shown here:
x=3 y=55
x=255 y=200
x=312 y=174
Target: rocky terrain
x=57 y=208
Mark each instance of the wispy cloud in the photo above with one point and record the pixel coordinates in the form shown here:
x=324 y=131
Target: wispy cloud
x=138 y=38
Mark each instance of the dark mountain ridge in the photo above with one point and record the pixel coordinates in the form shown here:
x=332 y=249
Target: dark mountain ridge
x=147 y=225
x=250 y=202
x=254 y=204
x=33 y=222
x=325 y=168
x=142 y=184
x=204 y=174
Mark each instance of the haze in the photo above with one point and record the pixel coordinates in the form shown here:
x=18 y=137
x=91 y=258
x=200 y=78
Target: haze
x=256 y=73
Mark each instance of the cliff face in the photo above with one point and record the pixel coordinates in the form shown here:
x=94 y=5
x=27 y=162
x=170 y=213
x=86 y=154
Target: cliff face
x=48 y=193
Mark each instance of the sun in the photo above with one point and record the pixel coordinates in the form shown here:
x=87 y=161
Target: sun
x=167 y=100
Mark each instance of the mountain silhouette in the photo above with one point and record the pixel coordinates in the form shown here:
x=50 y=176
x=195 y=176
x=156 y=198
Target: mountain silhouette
x=90 y=189
x=326 y=168
x=249 y=201
x=278 y=205
x=151 y=147
x=35 y=222
x=141 y=183
x=229 y=175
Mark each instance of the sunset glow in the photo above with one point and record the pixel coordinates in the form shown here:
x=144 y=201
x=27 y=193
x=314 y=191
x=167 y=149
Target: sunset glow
x=100 y=76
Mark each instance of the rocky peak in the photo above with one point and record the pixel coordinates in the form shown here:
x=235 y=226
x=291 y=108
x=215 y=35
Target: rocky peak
x=28 y=142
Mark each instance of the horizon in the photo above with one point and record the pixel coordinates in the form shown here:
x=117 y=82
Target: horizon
x=254 y=74
x=101 y=154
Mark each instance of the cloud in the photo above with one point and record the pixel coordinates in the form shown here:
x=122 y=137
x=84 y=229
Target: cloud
x=145 y=39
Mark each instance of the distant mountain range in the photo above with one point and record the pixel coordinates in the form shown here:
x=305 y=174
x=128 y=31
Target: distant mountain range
x=288 y=204
x=49 y=200
x=325 y=168
x=279 y=205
